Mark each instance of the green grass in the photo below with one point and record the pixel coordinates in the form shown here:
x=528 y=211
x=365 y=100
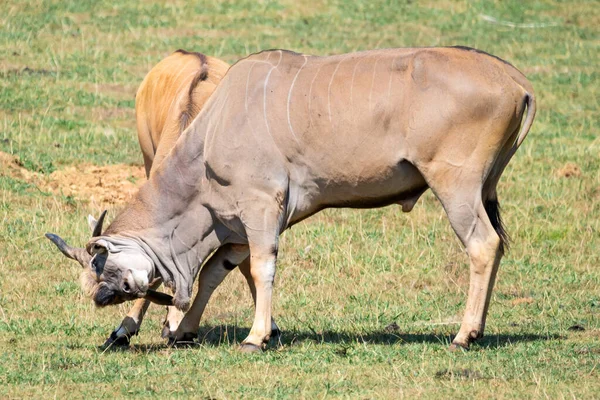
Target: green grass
x=68 y=75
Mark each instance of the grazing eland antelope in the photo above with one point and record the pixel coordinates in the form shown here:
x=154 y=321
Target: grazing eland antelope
x=286 y=135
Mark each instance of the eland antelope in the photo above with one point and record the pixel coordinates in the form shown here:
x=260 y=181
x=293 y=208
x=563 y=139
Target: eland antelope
x=286 y=135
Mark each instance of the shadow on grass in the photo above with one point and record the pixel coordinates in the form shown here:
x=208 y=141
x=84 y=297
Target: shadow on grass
x=231 y=335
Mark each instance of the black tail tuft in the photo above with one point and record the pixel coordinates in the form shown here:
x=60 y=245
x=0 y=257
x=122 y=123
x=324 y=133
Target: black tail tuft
x=492 y=208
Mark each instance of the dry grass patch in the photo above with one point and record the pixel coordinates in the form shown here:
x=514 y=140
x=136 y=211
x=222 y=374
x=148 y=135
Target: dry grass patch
x=450 y=6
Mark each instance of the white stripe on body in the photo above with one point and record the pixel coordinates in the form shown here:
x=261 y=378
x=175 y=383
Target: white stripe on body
x=390 y=80
x=310 y=96
x=265 y=93
x=329 y=90
x=290 y=98
x=373 y=82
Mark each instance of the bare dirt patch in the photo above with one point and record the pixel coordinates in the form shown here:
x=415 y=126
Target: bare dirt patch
x=569 y=170
x=522 y=300
x=110 y=184
x=100 y=185
x=9 y=166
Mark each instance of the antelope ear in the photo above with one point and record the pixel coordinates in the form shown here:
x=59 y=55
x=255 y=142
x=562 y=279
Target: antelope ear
x=97 y=230
x=74 y=253
x=92 y=222
x=159 y=298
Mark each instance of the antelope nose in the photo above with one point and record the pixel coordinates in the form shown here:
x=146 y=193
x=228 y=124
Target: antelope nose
x=126 y=287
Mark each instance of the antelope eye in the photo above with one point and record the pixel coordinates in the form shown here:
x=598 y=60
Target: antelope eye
x=126 y=287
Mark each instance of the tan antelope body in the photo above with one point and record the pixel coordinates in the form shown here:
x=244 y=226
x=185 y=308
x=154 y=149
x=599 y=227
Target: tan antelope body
x=286 y=135
x=169 y=98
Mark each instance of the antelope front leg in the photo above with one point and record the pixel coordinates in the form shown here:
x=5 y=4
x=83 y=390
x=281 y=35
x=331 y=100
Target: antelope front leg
x=130 y=325
x=262 y=269
x=211 y=276
x=245 y=270
x=172 y=321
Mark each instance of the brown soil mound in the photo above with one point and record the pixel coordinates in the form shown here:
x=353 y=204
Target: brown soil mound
x=569 y=170
x=10 y=166
x=111 y=184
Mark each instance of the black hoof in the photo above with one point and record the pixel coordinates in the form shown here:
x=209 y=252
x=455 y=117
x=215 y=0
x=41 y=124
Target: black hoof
x=275 y=333
x=250 y=348
x=166 y=332
x=187 y=339
x=118 y=341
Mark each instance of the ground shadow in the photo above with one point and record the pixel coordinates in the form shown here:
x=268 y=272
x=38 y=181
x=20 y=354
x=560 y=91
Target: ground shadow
x=232 y=335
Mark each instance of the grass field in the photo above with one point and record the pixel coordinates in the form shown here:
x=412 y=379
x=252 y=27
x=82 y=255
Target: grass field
x=367 y=300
